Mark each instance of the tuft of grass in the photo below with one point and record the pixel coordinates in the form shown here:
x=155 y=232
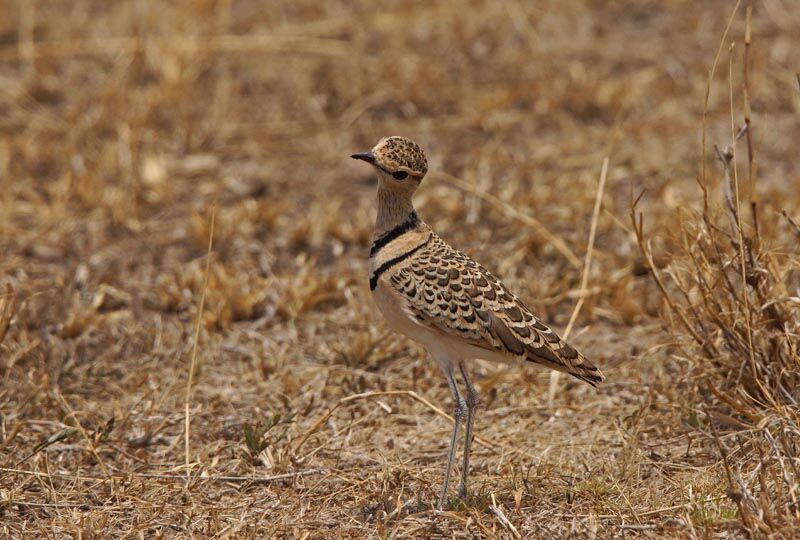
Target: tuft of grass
x=732 y=310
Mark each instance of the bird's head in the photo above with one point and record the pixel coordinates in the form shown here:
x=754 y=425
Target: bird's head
x=399 y=161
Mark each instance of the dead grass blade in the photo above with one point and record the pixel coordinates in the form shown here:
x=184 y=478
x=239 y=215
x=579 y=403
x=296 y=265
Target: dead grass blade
x=8 y=305
x=587 y=265
x=193 y=361
x=556 y=241
x=792 y=222
x=504 y=521
x=709 y=81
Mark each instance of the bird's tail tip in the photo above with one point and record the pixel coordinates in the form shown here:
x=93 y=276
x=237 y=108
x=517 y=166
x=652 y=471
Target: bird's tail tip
x=594 y=377
x=587 y=372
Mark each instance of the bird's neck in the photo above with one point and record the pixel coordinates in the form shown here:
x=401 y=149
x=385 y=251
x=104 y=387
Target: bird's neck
x=393 y=210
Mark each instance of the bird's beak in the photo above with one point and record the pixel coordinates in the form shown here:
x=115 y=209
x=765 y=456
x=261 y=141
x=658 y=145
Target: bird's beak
x=369 y=157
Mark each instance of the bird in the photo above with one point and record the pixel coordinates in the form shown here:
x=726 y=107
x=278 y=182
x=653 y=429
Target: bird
x=445 y=301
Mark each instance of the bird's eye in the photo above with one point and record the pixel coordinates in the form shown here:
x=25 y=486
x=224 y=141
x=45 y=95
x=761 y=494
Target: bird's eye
x=400 y=175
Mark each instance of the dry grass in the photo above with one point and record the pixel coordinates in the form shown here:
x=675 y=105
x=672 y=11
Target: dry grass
x=123 y=123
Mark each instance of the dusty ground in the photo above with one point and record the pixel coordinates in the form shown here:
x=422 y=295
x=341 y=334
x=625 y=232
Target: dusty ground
x=124 y=124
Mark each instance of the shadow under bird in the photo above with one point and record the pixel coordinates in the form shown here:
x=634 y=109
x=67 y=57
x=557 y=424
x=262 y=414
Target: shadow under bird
x=451 y=305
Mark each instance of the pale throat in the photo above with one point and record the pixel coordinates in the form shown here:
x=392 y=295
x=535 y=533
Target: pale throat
x=393 y=209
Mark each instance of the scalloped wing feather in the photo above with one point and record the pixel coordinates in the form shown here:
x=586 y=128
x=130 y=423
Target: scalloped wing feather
x=444 y=290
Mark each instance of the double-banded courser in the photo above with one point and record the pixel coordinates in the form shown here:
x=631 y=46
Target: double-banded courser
x=444 y=300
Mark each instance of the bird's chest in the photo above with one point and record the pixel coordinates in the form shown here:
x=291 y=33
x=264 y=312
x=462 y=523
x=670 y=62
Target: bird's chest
x=390 y=304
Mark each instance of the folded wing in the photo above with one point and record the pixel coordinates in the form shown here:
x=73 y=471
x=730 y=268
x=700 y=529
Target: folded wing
x=447 y=291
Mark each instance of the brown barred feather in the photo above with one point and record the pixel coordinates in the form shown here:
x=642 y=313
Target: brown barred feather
x=446 y=290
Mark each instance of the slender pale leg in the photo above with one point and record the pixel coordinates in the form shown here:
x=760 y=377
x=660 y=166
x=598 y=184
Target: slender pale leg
x=460 y=411
x=472 y=404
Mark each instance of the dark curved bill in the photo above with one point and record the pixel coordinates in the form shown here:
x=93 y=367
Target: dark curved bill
x=369 y=157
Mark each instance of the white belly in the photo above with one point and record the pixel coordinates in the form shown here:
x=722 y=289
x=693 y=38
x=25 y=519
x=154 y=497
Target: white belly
x=397 y=319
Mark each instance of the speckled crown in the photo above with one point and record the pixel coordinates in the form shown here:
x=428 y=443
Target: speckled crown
x=401 y=153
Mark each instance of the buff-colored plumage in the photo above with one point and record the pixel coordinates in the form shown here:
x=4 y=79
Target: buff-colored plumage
x=441 y=298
